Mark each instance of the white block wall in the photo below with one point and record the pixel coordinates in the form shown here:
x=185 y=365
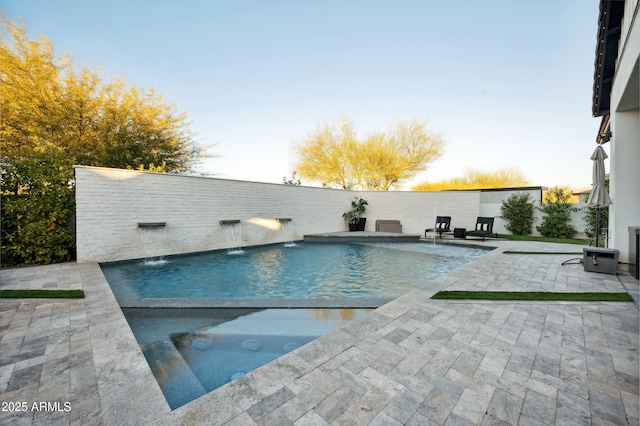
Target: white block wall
x=111 y=202
x=417 y=210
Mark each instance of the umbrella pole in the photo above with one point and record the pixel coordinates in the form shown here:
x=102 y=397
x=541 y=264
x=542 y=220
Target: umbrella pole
x=597 y=225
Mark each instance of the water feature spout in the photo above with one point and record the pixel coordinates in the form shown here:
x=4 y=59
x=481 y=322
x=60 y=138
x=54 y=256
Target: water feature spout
x=153 y=236
x=233 y=231
x=152 y=224
x=288 y=229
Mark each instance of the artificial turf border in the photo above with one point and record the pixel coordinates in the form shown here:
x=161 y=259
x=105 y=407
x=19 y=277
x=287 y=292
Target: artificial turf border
x=533 y=296
x=41 y=294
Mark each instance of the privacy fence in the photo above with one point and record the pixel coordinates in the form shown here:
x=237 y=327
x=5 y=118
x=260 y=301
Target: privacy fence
x=125 y=214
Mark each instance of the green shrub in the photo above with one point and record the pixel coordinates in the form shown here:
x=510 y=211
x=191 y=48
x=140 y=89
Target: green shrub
x=556 y=215
x=517 y=210
x=38 y=207
x=590 y=218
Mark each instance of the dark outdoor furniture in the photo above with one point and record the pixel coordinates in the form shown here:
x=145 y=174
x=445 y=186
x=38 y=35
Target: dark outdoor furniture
x=459 y=232
x=484 y=228
x=443 y=224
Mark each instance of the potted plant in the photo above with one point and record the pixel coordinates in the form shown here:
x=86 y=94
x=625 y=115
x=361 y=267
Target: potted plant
x=353 y=216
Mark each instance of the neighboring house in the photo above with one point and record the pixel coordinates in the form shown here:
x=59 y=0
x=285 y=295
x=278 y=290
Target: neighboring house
x=583 y=193
x=616 y=98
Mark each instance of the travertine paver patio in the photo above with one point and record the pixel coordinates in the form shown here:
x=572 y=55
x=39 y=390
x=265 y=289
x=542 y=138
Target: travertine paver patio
x=414 y=361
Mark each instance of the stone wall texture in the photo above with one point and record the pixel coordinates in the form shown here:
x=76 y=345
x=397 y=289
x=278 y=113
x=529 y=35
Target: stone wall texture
x=112 y=202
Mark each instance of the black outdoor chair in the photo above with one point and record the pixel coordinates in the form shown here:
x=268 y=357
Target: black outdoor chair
x=484 y=228
x=443 y=224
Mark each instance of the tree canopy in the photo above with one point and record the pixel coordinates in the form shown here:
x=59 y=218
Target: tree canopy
x=48 y=105
x=334 y=155
x=478 y=179
x=54 y=116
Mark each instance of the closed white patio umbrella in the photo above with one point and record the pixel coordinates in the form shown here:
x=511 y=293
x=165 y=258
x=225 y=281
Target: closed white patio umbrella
x=599 y=196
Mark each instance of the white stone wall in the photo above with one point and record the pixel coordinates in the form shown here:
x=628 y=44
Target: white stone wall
x=491 y=203
x=111 y=203
x=417 y=210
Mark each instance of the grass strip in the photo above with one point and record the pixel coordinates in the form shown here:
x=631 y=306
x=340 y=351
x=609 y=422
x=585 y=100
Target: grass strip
x=41 y=294
x=534 y=296
x=543 y=252
x=544 y=239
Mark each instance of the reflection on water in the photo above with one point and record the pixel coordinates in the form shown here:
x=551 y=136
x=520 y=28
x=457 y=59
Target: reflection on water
x=308 y=271
x=333 y=314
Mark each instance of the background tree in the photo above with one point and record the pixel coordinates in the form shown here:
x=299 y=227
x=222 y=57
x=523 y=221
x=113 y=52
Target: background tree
x=478 y=179
x=336 y=156
x=560 y=193
x=47 y=105
x=293 y=181
x=328 y=154
x=53 y=116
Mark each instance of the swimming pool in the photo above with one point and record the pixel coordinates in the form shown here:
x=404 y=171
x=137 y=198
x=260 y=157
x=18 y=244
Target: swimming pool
x=194 y=351
x=304 y=271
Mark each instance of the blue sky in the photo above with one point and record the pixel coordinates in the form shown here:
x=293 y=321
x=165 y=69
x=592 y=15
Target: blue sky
x=508 y=83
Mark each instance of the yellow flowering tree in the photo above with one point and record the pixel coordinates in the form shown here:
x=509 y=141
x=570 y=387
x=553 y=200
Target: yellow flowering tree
x=478 y=179
x=336 y=156
x=53 y=116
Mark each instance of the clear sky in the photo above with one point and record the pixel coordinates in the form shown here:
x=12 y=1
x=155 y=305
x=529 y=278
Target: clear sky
x=508 y=83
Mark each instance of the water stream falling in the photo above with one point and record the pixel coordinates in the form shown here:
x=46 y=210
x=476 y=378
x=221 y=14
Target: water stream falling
x=233 y=233
x=153 y=238
x=288 y=229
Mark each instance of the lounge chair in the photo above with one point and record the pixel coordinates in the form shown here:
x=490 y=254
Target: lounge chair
x=443 y=224
x=484 y=228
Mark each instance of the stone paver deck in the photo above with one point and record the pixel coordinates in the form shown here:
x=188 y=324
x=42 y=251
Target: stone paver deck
x=413 y=361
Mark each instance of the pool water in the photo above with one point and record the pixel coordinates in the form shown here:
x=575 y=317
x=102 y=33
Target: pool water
x=306 y=270
x=194 y=351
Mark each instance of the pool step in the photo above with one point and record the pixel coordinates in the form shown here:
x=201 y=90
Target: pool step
x=177 y=381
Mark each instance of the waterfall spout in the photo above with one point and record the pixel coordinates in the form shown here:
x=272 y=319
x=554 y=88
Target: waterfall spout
x=232 y=229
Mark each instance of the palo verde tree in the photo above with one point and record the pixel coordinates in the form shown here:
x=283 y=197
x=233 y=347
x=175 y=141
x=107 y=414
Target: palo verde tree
x=478 y=179
x=336 y=156
x=53 y=116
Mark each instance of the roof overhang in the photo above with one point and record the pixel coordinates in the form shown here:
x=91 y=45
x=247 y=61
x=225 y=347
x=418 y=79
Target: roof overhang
x=609 y=30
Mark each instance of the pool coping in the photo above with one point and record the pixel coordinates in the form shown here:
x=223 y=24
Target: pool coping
x=361 y=237
x=238 y=396
x=337 y=303
x=129 y=394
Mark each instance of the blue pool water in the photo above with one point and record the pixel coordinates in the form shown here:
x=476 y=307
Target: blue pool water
x=311 y=270
x=193 y=351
